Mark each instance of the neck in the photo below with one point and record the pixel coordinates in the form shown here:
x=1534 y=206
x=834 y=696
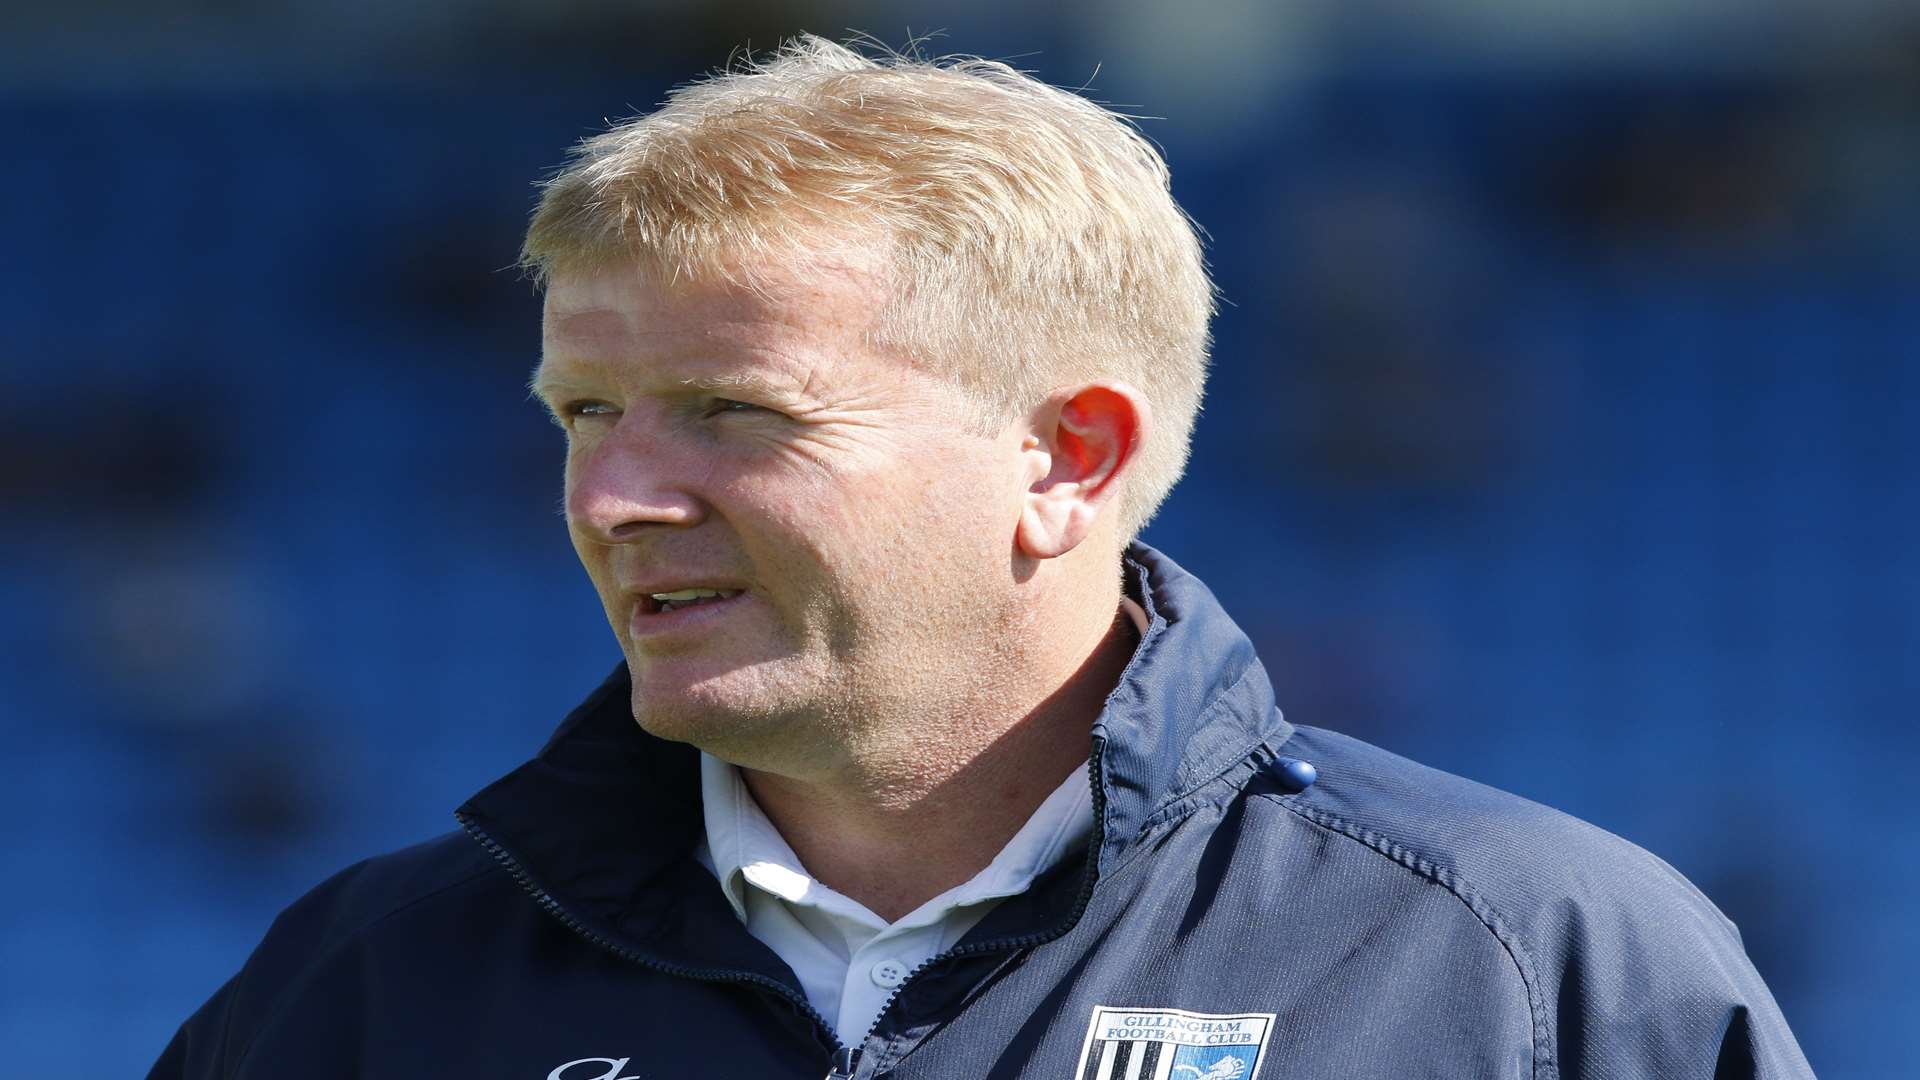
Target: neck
x=894 y=834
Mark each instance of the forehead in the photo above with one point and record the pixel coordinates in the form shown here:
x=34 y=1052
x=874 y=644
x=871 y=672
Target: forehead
x=625 y=314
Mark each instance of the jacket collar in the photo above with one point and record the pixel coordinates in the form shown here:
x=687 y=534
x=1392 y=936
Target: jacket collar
x=1192 y=703
x=603 y=823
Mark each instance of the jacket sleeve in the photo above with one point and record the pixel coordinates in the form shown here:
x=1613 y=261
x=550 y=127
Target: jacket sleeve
x=1762 y=1053
x=297 y=992
x=214 y=1042
x=1631 y=973
x=1653 y=981
x=199 y=1049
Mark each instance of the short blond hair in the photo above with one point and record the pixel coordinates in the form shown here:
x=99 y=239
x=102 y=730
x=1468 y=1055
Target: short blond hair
x=1028 y=234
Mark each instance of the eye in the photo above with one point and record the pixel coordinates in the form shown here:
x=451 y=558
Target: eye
x=567 y=412
x=728 y=405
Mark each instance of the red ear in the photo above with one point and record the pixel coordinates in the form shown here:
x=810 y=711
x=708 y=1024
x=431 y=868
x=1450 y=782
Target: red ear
x=1097 y=428
x=1090 y=446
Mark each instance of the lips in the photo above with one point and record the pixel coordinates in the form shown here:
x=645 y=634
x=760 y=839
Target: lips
x=654 y=616
x=664 y=601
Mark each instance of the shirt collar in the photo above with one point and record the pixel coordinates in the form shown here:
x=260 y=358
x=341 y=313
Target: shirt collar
x=746 y=851
x=743 y=846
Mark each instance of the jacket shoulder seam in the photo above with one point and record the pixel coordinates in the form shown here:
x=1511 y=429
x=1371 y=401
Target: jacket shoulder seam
x=291 y=991
x=1545 y=1063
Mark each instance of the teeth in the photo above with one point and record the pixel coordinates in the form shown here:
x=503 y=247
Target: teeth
x=670 y=601
x=693 y=594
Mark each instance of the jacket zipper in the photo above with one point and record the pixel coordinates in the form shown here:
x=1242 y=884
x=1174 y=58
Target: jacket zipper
x=845 y=1058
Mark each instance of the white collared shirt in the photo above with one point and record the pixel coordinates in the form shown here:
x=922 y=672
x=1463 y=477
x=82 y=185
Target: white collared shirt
x=849 y=960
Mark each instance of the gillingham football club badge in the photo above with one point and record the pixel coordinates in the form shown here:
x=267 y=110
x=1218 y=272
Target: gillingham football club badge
x=1173 y=1044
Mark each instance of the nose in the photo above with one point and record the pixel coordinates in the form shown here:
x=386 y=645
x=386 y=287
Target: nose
x=628 y=485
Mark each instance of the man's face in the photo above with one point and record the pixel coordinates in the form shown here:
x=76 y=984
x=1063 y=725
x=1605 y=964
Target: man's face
x=858 y=532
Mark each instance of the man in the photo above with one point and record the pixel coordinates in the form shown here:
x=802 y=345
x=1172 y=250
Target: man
x=917 y=766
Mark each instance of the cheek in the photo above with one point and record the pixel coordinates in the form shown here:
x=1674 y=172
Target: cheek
x=791 y=525
x=971 y=492
x=895 y=512
x=945 y=511
x=594 y=558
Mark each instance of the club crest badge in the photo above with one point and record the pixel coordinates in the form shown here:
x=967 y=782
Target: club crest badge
x=1173 y=1044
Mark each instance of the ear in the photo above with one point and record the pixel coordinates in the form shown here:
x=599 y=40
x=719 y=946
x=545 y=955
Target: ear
x=1083 y=444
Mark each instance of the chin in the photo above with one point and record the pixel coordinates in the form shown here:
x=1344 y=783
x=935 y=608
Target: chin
x=673 y=716
x=703 y=713
x=741 y=719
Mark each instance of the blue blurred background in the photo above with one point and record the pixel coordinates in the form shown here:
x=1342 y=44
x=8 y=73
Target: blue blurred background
x=1562 y=434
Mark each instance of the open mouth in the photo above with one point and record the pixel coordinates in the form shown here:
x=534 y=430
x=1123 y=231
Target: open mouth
x=666 y=603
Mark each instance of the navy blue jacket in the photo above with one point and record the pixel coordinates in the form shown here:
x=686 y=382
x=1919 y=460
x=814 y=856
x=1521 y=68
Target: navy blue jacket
x=1227 y=923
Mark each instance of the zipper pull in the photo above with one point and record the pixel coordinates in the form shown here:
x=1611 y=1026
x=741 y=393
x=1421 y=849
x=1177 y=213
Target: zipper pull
x=845 y=1060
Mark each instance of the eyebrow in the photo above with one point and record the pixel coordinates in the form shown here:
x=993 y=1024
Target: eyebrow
x=544 y=382
x=750 y=382
x=538 y=380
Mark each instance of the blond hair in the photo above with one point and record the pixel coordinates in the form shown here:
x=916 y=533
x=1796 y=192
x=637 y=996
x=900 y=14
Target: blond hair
x=1027 y=233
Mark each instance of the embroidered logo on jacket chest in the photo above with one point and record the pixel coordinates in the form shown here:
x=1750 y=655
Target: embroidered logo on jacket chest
x=1172 y=1044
